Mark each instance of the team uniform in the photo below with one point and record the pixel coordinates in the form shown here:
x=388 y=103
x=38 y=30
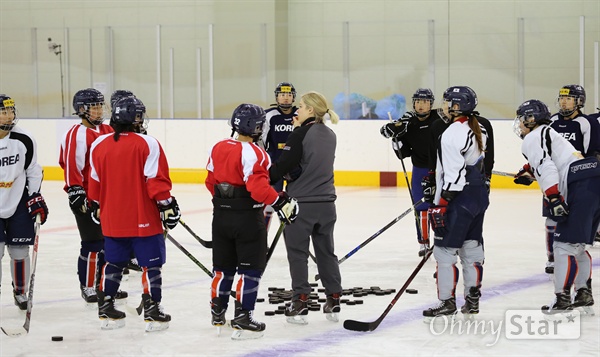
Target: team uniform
x=238 y=179
x=461 y=200
x=307 y=163
x=577 y=129
x=20 y=182
x=129 y=179
x=571 y=187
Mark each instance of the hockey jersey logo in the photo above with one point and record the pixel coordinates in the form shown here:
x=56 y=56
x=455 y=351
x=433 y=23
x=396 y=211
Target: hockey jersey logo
x=9 y=160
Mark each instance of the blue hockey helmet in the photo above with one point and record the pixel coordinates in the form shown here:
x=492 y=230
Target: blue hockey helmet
x=129 y=111
x=118 y=94
x=423 y=94
x=84 y=99
x=248 y=119
x=7 y=105
x=531 y=113
x=463 y=96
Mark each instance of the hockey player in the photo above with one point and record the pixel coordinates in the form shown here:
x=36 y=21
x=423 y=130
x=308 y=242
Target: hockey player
x=460 y=204
x=278 y=126
x=307 y=163
x=412 y=137
x=74 y=160
x=595 y=121
x=239 y=183
x=20 y=197
x=129 y=189
x=574 y=126
x=571 y=187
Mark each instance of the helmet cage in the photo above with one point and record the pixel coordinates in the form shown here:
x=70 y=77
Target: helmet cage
x=7 y=105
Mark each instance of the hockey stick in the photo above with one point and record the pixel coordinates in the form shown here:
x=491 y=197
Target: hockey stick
x=274 y=243
x=501 y=173
x=370 y=326
x=189 y=255
x=394 y=221
x=205 y=243
x=25 y=329
x=412 y=199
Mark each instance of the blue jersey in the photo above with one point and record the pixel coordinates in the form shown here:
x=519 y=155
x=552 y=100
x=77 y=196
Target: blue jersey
x=595 y=139
x=577 y=131
x=278 y=126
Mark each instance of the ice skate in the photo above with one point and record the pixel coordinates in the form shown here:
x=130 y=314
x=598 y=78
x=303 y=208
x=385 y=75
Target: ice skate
x=121 y=295
x=560 y=304
x=133 y=265
x=244 y=325
x=20 y=300
x=332 y=307
x=445 y=309
x=549 y=267
x=584 y=301
x=218 y=314
x=297 y=311
x=154 y=316
x=423 y=249
x=110 y=318
x=89 y=294
x=471 y=306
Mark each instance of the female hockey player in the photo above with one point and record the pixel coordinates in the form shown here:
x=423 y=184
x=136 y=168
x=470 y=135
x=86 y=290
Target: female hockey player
x=307 y=163
x=460 y=204
x=129 y=181
x=20 y=197
x=278 y=126
x=74 y=160
x=239 y=182
x=412 y=137
x=571 y=187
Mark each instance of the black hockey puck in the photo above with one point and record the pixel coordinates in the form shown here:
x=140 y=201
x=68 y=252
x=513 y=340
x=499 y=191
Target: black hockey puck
x=350 y=302
x=57 y=338
x=358 y=302
x=260 y=300
x=412 y=291
x=279 y=312
x=270 y=313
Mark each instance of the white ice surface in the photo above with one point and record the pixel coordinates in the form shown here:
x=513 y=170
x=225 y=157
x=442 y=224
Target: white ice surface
x=513 y=279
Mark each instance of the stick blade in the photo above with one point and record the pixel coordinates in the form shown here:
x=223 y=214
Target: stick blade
x=354 y=325
x=208 y=244
x=14 y=332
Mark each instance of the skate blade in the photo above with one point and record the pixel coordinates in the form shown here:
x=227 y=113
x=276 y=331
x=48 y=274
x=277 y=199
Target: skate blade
x=468 y=316
x=297 y=320
x=153 y=326
x=586 y=311
x=111 y=324
x=555 y=315
x=246 y=335
x=332 y=316
x=441 y=319
x=91 y=305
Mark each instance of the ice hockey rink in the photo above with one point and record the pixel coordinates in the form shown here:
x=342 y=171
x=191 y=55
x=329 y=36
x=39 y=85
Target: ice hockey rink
x=514 y=279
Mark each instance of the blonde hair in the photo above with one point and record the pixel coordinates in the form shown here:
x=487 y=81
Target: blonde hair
x=318 y=102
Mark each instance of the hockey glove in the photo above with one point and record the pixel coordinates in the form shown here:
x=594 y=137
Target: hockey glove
x=169 y=212
x=94 y=211
x=77 y=200
x=438 y=219
x=428 y=186
x=488 y=183
x=286 y=207
x=36 y=205
x=558 y=208
x=524 y=176
x=395 y=129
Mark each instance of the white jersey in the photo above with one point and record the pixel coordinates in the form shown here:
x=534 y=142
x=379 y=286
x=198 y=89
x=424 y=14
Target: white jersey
x=18 y=169
x=458 y=149
x=549 y=155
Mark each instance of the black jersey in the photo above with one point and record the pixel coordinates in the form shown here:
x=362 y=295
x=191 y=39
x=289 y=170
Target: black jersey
x=417 y=140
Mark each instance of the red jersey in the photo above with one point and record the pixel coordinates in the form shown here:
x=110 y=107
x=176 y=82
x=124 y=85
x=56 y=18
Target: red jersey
x=241 y=164
x=127 y=177
x=75 y=153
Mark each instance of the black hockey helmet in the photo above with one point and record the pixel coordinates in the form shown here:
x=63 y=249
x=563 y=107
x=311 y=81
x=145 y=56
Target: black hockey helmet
x=285 y=87
x=531 y=113
x=118 y=94
x=84 y=99
x=129 y=111
x=571 y=90
x=7 y=104
x=248 y=119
